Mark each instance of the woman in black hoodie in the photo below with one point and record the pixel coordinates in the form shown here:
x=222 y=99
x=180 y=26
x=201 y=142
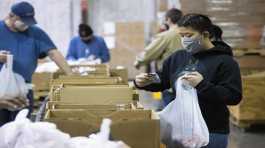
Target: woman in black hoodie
x=212 y=71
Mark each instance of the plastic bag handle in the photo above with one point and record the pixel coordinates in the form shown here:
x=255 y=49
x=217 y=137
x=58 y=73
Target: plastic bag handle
x=9 y=62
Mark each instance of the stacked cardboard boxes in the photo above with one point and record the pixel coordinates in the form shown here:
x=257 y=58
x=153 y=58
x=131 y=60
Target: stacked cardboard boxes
x=242 y=20
x=100 y=74
x=79 y=103
x=251 y=109
x=129 y=41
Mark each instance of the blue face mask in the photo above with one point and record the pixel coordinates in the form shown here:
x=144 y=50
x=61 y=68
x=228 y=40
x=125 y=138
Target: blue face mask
x=192 y=45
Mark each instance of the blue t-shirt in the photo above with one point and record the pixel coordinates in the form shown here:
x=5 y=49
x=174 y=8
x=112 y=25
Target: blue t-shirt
x=79 y=49
x=26 y=47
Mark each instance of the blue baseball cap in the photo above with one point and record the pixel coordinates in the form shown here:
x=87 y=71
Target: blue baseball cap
x=25 y=11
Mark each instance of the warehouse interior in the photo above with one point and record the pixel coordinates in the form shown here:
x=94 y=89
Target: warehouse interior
x=99 y=73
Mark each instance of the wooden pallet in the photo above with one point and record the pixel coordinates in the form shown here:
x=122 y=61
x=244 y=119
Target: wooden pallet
x=249 y=51
x=245 y=124
x=251 y=110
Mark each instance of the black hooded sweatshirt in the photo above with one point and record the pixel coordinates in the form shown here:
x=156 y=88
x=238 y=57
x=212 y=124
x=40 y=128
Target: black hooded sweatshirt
x=220 y=87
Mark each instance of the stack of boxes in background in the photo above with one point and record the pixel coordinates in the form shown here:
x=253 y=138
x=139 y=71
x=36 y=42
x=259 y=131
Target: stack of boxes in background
x=129 y=42
x=242 y=20
x=251 y=110
x=79 y=103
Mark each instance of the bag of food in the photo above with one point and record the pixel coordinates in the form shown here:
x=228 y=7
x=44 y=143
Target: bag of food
x=181 y=121
x=13 y=85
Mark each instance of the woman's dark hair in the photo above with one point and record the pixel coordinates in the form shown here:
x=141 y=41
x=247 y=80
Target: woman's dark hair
x=216 y=32
x=85 y=30
x=174 y=15
x=197 y=22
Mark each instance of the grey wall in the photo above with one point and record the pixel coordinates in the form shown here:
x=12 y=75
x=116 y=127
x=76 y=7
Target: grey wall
x=101 y=11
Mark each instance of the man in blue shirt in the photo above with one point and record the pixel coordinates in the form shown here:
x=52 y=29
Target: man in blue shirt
x=27 y=43
x=88 y=46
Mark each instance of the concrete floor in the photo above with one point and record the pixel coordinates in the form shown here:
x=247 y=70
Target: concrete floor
x=252 y=138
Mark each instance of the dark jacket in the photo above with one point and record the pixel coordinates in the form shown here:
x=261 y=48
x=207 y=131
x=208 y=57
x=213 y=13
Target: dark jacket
x=221 y=85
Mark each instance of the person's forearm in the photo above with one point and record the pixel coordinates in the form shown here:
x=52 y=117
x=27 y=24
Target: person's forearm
x=58 y=58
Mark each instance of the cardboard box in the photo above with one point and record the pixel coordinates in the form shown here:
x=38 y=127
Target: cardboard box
x=135 y=128
x=86 y=80
x=120 y=72
x=135 y=133
x=41 y=81
x=162 y=5
x=250 y=60
x=251 y=110
x=129 y=41
x=95 y=95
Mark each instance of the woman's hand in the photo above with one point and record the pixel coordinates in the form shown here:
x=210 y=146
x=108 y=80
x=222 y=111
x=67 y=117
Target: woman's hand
x=194 y=78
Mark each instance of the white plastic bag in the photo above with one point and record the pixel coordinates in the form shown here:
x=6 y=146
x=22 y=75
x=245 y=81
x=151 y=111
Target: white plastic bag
x=181 y=121
x=47 y=67
x=12 y=84
x=52 y=67
x=22 y=133
x=99 y=140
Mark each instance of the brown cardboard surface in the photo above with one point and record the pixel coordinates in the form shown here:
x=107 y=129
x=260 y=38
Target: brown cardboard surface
x=41 y=81
x=86 y=80
x=97 y=95
x=95 y=116
x=162 y=5
x=252 y=107
x=130 y=41
x=123 y=73
x=59 y=105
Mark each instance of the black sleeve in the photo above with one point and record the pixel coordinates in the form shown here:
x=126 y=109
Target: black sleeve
x=164 y=76
x=228 y=90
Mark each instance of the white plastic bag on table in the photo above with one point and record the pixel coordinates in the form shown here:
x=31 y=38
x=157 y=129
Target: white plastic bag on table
x=181 y=121
x=99 y=140
x=12 y=84
x=50 y=67
x=22 y=133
